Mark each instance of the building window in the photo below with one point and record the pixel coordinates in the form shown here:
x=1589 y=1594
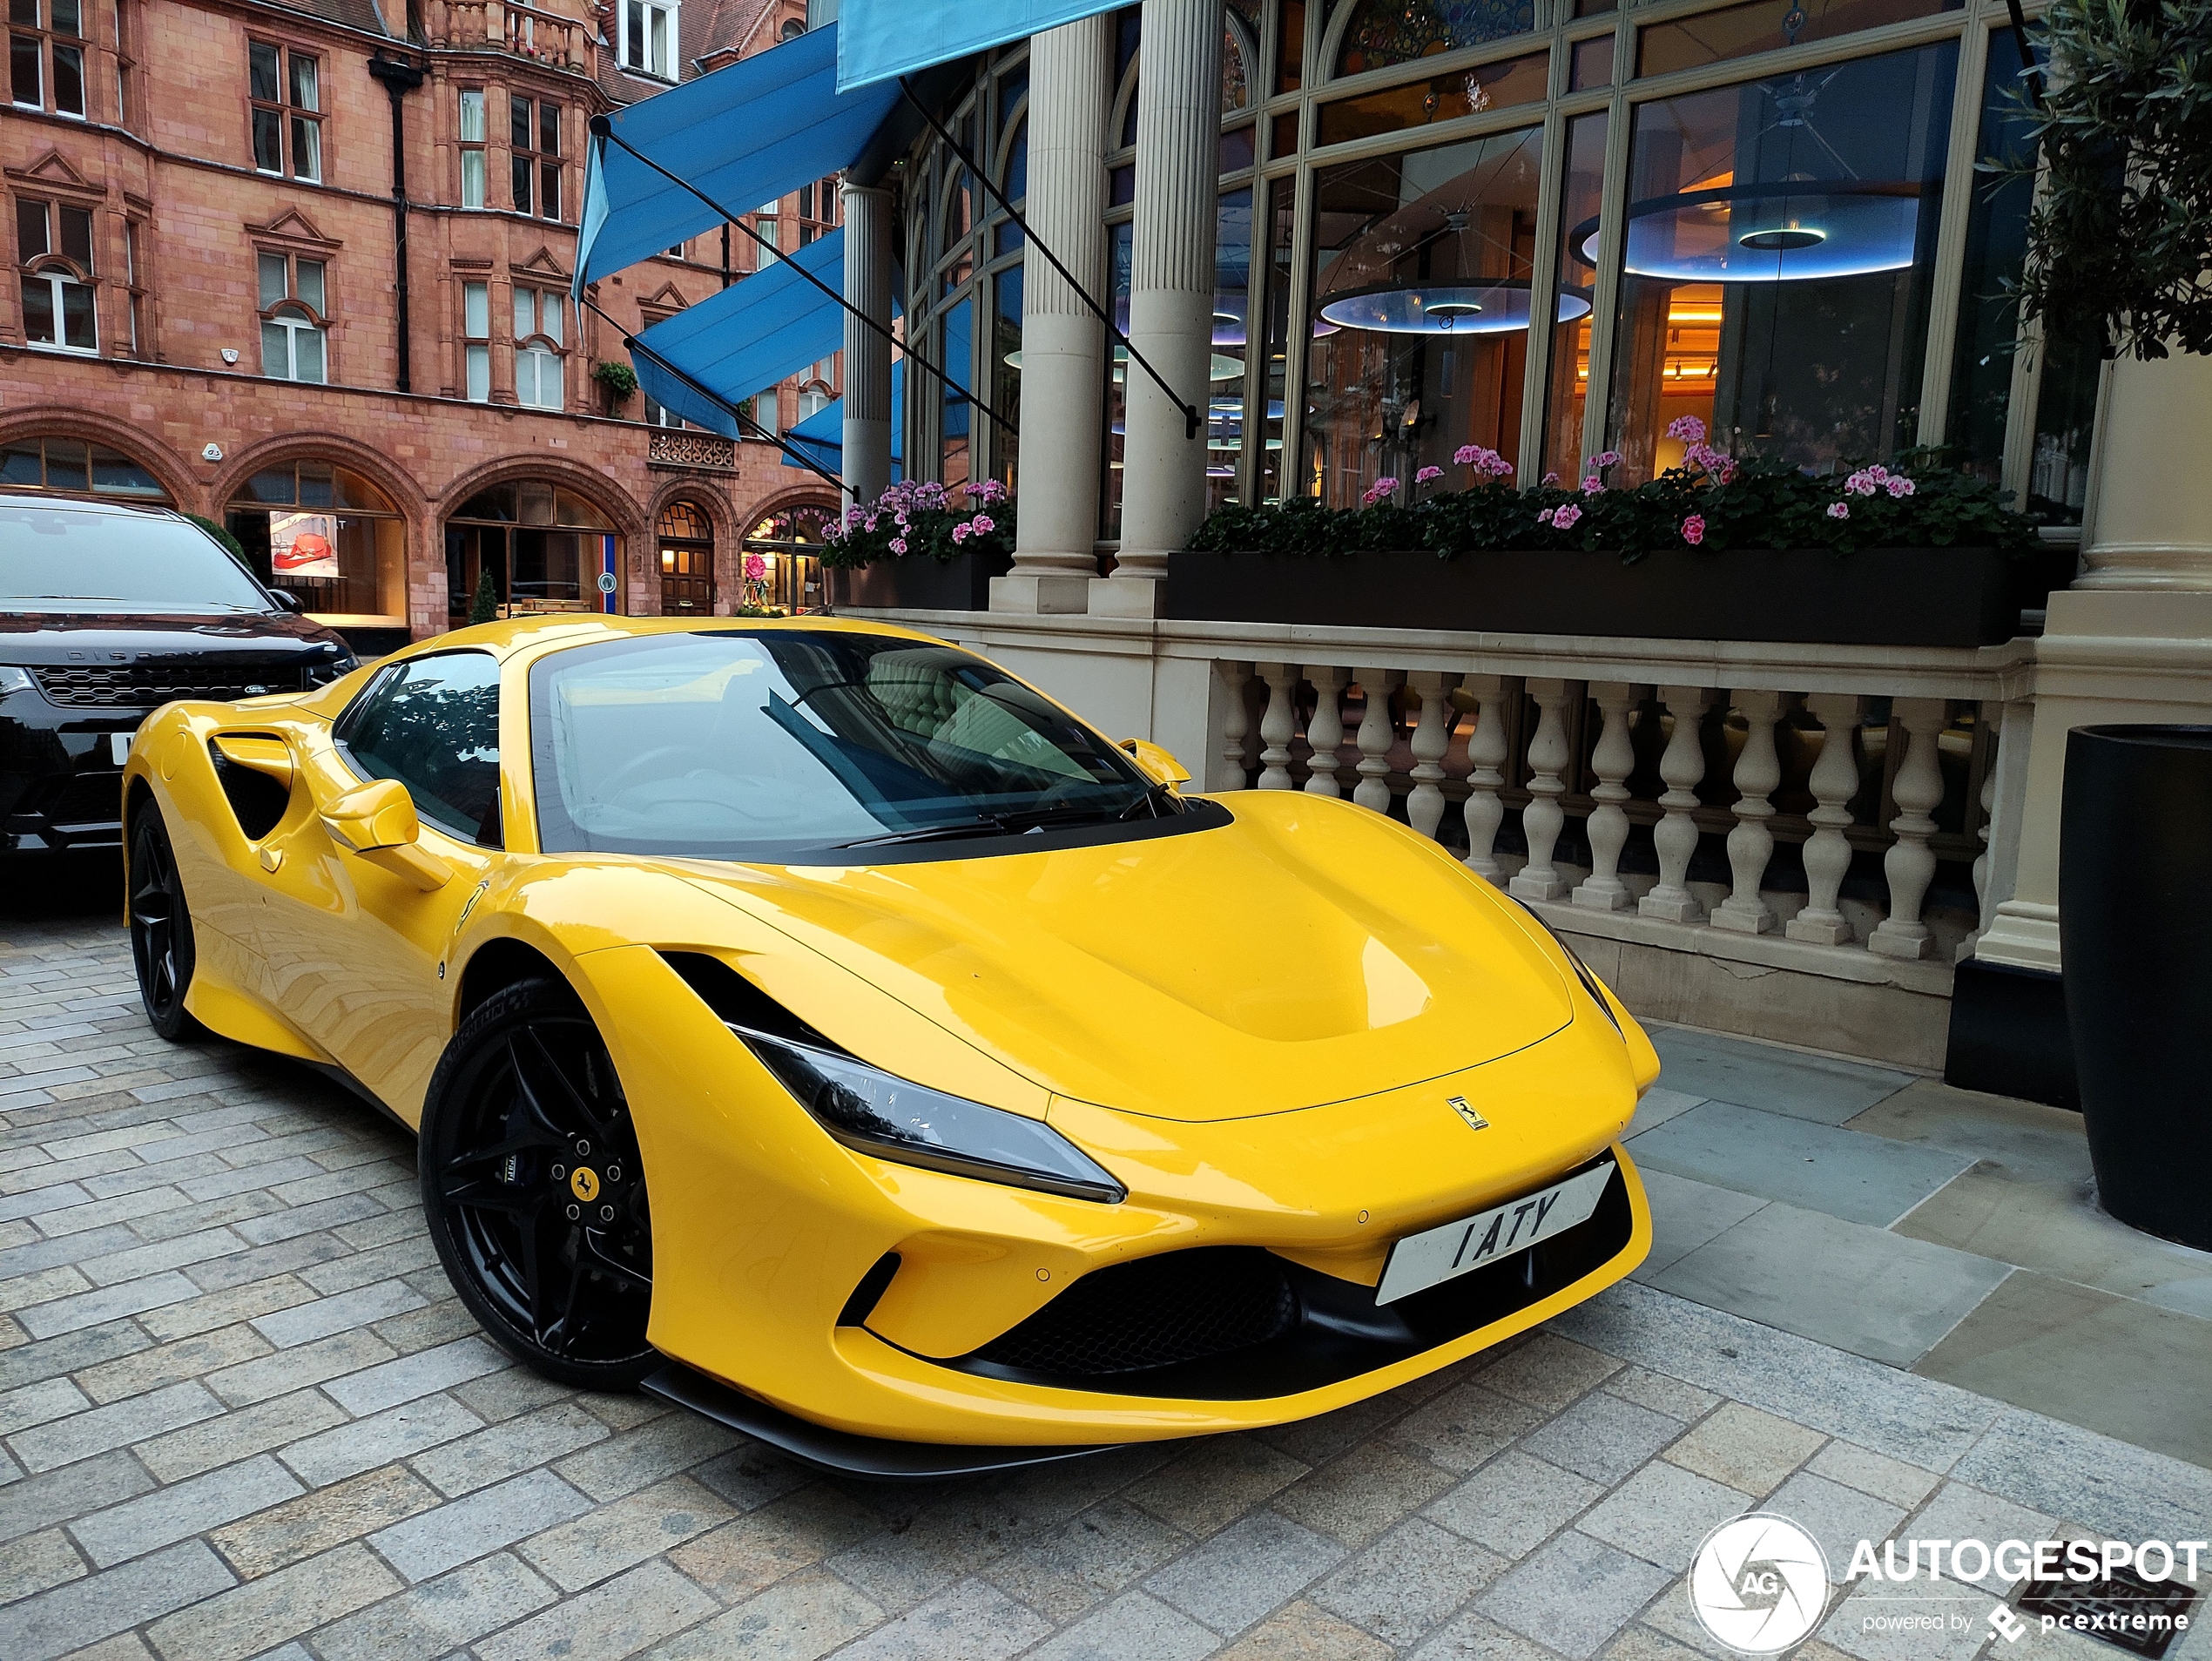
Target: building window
x=125 y=63
x=71 y=465
x=659 y=414
x=648 y=39
x=54 y=248
x=472 y=146
x=134 y=279
x=534 y=138
x=359 y=576
x=46 y=55
x=538 y=347
x=475 y=350
x=811 y=401
x=292 y=318
x=540 y=548
x=286 y=92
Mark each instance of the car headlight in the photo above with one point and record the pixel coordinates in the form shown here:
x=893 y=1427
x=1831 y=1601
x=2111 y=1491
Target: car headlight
x=1582 y=970
x=13 y=680
x=322 y=674
x=895 y=1118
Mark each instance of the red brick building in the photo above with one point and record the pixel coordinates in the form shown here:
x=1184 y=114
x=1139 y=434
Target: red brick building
x=219 y=301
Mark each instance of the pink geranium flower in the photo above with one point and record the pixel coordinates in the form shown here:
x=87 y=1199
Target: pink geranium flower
x=961 y=533
x=1688 y=428
x=1898 y=485
x=982 y=522
x=1427 y=474
x=897 y=544
x=1693 y=528
x=1563 y=516
x=1839 y=510
x=1382 y=487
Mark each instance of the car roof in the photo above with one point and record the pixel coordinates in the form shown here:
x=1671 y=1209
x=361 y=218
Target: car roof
x=548 y=631
x=80 y=504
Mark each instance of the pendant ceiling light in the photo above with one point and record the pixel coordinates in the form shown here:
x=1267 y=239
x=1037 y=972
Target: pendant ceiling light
x=1489 y=305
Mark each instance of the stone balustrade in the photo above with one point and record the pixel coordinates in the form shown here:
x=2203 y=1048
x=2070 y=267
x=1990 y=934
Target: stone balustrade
x=494 y=24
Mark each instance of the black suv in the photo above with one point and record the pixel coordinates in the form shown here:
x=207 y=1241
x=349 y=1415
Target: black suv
x=106 y=613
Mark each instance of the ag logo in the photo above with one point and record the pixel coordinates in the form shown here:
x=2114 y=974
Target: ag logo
x=1475 y=1121
x=1759 y=1583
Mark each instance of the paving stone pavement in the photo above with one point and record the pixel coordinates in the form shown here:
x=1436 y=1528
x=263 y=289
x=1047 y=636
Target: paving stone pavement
x=242 y=1414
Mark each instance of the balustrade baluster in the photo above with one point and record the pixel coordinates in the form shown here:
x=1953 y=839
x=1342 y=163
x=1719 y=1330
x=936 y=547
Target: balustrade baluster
x=1613 y=760
x=1827 y=855
x=1751 y=845
x=1486 y=753
x=1543 y=818
x=1910 y=864
x=1235 y=721
x=1431 y=736
x=1324 y=733
x=1278 y=724
x=1675 y=837
x=1376 y=736
x=1993 y=714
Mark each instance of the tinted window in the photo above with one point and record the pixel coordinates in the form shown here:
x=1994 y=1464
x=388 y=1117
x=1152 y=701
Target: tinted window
x=59 y=558
x=783 y=744
x=433 y=724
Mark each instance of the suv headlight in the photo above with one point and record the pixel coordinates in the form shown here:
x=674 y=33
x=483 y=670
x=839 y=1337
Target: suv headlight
x=895 y=1118
x=14 y=679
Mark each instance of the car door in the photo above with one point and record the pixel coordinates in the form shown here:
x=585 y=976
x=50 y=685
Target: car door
x=359 y=958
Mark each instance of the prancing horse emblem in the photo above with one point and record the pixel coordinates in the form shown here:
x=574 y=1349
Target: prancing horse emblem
x=1475 y=1121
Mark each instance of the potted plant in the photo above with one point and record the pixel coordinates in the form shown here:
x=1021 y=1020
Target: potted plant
x=1716 y=548
x=616 y=382
x=912 y=548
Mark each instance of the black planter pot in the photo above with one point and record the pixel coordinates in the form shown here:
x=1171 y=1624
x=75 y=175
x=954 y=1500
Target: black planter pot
x=1904 y=596
x=2135 y=942
x=920 y=583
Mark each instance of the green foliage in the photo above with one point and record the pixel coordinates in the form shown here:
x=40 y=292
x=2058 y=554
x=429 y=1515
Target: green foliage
x=484 y=608
x=221 y=534
x=619 y=380
x=2120 y=244
x=1765 y=504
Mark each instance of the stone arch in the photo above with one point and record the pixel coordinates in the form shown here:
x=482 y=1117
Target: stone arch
x=374 y=465
x=63 y=421
x=641 y=587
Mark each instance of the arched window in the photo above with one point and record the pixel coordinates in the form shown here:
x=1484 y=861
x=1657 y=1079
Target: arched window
x=327 y=535
x=685 y=537
x=813 y=400
x=1382 y=32
x=540 y=351
x=784 y=541
x=294 y=302
x=540 y=547
x=73 y=466
x=55 y=240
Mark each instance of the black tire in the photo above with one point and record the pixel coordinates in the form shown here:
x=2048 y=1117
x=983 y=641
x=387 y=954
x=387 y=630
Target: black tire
x=534 y=1191
x=161 y=937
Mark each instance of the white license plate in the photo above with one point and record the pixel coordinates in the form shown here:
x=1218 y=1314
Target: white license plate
x=1436 y=1255
x=119 y=745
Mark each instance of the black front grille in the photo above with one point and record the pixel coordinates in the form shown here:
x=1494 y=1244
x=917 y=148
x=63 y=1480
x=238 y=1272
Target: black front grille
x=145 y=685
x=83 y=799
x=1156 y=1312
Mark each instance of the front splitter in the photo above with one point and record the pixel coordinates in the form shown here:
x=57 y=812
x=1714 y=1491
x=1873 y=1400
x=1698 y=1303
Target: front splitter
x=877 y=1459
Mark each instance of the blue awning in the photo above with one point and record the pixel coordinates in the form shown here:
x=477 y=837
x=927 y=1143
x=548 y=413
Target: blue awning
x=754 y=333
x=820 y=437
x=743 y=135
x=879 y=40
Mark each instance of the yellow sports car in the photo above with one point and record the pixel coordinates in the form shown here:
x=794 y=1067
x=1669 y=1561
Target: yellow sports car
x=816 y=1024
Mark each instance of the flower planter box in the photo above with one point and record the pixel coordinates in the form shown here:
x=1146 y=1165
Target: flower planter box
x=920 y=583
x=1898 y=597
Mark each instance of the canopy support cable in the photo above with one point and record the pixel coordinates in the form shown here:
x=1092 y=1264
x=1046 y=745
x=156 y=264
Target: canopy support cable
x=638 y=347
x=1190 y=416
x=602 y=128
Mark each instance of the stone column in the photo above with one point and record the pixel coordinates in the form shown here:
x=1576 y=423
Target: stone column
x=867 y=463
x=1171 y=291
x=1063 y=343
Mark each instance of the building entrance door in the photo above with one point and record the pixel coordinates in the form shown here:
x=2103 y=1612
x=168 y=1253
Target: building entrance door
x=686 y=541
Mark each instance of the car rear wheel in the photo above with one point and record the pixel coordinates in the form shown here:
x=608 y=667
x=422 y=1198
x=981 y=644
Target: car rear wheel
x=161 y=937
x=534 y=1191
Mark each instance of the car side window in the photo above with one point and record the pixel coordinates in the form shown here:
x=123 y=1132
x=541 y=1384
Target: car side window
x=433 y=724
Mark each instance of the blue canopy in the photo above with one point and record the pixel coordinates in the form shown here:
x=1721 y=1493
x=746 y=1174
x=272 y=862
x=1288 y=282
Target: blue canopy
x=820 y=437
x=747 y=134
x=751 y=336
x=879 y=40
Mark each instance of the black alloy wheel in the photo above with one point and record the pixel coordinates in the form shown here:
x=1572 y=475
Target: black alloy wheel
x=161 y=938
x=534 y=1191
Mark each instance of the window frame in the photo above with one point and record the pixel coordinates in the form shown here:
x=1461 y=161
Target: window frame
x=475 y=343
x=474 y=149
x=294 y=314
x=295 y=121
x=531 y=168
x=58 y=271
x=48 y=42
x=539 y=344
x=668 y=36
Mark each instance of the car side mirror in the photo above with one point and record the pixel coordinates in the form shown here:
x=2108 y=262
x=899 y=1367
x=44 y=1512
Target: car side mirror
x=287 y=601
x=1156 y=762
x=377 y=820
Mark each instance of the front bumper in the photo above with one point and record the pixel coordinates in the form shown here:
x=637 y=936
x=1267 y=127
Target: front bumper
x=765 y=1230
x=61 y=785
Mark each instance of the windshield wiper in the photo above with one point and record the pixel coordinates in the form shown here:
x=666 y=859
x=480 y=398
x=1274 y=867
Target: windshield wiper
x=985 y=825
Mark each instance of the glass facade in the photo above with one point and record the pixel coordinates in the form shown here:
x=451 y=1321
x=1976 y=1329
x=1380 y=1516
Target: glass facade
x=1551 y=228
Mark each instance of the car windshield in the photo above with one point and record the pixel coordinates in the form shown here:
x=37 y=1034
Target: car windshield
x=785 y=745
x=70 y=559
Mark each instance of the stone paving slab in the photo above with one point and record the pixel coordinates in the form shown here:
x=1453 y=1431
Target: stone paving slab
x=241 y=1415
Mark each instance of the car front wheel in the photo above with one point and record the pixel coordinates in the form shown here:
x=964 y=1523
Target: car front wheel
x=161 y=937
x=534 y=1191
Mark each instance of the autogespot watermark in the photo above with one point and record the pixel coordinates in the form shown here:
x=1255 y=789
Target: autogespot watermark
x=1760 y=1584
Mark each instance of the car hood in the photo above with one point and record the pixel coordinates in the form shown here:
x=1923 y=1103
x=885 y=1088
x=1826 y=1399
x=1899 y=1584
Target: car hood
x=1309 y=951
x=41 y=637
